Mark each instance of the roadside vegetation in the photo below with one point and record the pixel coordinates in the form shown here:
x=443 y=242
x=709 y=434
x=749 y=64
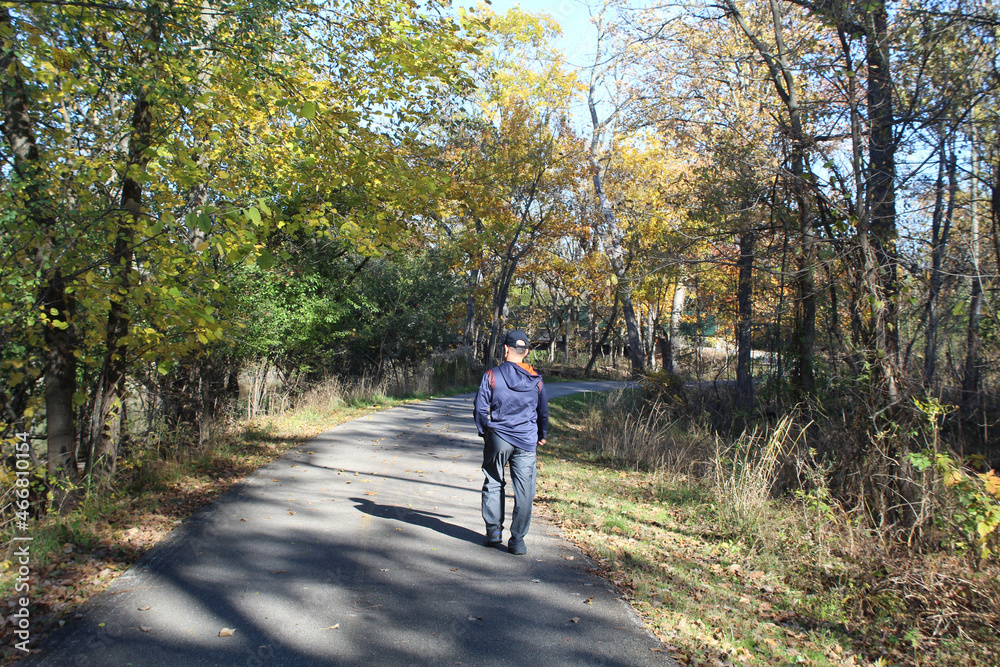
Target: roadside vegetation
x=738 y=552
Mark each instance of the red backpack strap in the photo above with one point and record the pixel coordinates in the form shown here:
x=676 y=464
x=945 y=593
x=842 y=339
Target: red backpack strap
x=492 y=379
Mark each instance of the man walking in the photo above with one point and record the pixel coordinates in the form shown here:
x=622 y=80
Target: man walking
x=512 y=415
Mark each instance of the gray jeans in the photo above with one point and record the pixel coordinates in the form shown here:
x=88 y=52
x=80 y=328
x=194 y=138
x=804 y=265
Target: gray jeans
x=497 y=453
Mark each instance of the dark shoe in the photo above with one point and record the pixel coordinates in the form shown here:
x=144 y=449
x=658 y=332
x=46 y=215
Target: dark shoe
x=493 y=539
x=517 y=547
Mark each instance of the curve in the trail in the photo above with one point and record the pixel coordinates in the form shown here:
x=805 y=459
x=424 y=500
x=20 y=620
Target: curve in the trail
x=359 y=547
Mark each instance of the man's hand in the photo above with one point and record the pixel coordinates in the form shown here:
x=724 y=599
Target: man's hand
x=541 y=442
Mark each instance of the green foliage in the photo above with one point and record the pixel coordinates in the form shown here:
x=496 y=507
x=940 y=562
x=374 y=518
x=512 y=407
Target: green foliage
x=14 y=506
x=297 y=315
x=405 y=308
x=972 y=507
x=817 y=502
x=976 y=496
x=174 y=150
x=663 y=387
x=329 y=312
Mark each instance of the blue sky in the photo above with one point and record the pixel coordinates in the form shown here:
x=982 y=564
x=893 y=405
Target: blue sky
x=573 y=16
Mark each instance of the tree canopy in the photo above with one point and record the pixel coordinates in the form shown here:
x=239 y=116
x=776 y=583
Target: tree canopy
x=805 y=193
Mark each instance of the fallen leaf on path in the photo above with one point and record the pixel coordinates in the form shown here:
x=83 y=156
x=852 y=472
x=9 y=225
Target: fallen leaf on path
x=226 y=632
x=589 y=600
x=575 y=619
x=475 y=618
x=335 y=626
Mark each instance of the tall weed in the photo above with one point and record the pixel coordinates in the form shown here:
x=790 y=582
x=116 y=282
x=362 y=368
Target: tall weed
x=441 y=372
x=744 y=474
x=627 y=431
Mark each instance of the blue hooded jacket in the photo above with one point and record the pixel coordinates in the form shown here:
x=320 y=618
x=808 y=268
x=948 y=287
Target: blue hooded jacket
x=512 y=403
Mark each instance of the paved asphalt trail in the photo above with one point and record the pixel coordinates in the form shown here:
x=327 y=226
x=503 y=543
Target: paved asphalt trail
x=359 y=547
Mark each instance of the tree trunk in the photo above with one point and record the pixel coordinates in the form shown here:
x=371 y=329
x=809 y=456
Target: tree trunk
x=469 y=336
x=650 y=343
x=970 y=379
x=677 y=312
x=613 y=239
x=53 y=298
x=940 y=227
x=635 y=352
x=779 y=68
x=591 y=329
x=805 y=321
x=744 y=324
x=666 y=352
x=508 y=267
x=856 y=271
x=882 y=202
x=106 y=423
x=569 y=318
x=60 y=385
x=599 y=347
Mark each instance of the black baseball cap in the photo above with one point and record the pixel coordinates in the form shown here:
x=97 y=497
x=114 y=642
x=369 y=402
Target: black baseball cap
x=517 y=339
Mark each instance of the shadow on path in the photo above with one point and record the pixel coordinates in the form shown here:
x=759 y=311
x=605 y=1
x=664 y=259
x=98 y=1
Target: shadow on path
x=421 y=518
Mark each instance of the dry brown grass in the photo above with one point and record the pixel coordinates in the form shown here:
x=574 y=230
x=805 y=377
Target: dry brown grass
x=727 y=573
